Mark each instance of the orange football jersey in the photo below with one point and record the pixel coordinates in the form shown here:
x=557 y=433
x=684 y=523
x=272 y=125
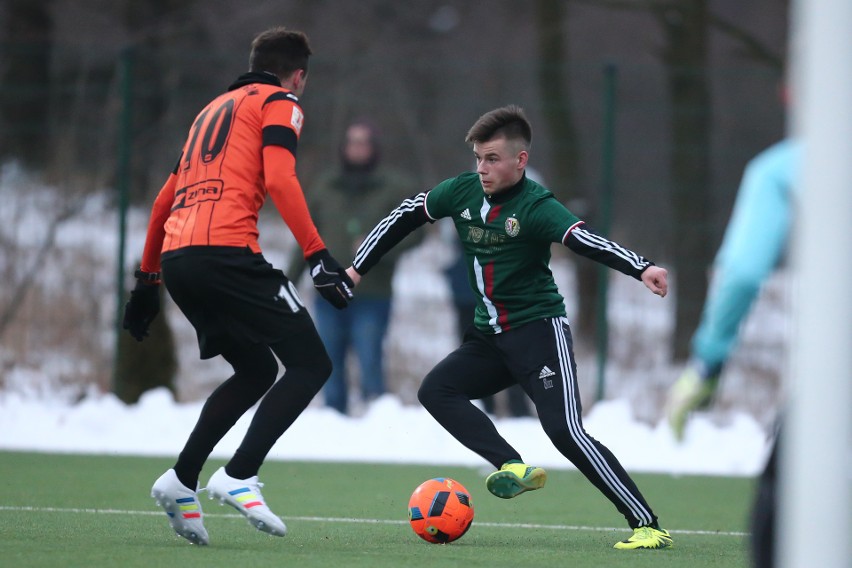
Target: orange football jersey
x=241 y=147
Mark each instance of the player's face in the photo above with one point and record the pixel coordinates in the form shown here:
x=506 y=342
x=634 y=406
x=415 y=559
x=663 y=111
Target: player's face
x=499 y=163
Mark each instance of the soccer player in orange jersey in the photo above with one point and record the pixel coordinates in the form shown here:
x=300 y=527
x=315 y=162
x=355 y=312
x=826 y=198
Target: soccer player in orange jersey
x=203 y=239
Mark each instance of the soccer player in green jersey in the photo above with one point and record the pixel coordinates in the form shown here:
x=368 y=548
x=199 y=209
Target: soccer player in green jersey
x=506 y=223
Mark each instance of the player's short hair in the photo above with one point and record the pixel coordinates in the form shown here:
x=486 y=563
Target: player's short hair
x=279 y=51
x=508 y=121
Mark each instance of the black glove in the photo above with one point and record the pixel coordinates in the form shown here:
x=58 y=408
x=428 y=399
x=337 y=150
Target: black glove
x=330 y=279
x=141 y=309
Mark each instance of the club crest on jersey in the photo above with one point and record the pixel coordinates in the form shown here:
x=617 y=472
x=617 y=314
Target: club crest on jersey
x=512 y=227
x=297 y=119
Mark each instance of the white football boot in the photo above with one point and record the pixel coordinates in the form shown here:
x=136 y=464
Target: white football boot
x=182 y=507
x=244 y=496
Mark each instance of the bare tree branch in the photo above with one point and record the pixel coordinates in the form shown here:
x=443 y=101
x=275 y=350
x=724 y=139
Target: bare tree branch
x=752 y=47
x=7 y=316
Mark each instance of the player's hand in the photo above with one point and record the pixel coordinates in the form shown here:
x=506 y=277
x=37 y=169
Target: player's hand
x=656 y=279
x=330 y=280
x=356 y=278
x=141 y=309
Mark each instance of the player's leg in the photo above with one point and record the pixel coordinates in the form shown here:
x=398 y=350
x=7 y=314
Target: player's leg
x=175 y=491
x=764 y=511
x=255 y=370
x=189 y=281
x=519 y=402
x=334 y=327
x=307 y=366
x=472 y=371
x=541 y=355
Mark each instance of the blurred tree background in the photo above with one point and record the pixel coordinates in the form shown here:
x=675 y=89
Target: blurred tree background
x=696 y=97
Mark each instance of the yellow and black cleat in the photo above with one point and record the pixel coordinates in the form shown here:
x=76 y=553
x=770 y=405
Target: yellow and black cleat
x=515 y=478
x=646 y=538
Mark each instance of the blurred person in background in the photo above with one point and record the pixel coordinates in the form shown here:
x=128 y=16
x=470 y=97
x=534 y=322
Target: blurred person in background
x=506 y=223
x=346 y=202
x=203 y=235
x=754 y=245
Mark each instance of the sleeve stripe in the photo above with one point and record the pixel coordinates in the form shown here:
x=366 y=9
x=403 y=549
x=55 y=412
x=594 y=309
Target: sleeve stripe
x=600 y=243
x=277 y=135
x=407 y=206
x=280 y=96
x=568 y=232
x=426 y=209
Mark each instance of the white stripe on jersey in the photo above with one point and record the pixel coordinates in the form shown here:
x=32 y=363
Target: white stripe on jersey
x=407 y=206
x=483 y=211
x=579 y=435
x=600 y=243
x=489 y=306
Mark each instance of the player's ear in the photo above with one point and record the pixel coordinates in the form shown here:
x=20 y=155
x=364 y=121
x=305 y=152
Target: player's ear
x=300 y=76
x=295 y=81
x=523 y=157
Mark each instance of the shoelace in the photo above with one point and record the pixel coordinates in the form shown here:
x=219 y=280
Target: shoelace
x=645 y=533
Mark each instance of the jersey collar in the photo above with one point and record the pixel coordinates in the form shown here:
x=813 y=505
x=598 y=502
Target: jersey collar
x=508 y=194
x=255 y=77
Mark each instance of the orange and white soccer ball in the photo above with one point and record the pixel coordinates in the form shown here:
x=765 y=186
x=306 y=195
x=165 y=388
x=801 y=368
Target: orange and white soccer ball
x=440 y=510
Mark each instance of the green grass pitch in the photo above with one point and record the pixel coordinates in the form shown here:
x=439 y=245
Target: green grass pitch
x=72 y=510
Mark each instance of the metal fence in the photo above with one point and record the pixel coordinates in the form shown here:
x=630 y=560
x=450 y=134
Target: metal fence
x=113 y=127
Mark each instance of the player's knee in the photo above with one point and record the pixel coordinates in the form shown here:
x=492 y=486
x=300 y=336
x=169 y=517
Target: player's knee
x=427 y=394
x=424 y=395
x=434 y=391
x=567 y=439
x=323 y=366
x=317 y=371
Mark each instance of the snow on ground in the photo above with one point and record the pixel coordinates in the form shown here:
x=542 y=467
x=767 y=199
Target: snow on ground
x=388 y=432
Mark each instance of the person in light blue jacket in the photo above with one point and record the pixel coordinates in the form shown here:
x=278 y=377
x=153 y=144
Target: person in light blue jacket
x=754 y=244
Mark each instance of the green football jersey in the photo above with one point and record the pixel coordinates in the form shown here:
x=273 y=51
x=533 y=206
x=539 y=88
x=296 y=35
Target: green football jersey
x=506 y=241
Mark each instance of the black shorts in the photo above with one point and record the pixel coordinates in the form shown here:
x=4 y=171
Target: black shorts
x=233 y=296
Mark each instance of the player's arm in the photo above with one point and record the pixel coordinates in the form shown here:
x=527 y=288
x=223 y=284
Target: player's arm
x=283 y=123
x=279 y=166
x=585 y=242
x=757 y=233
x=156 y=226
x=282 y=120
x=405 y=218
x=144 y=303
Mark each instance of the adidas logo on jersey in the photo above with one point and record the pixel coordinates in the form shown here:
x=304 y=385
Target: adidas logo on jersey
x=466 y=214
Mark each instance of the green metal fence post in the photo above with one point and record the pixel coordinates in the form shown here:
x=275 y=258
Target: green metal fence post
x=605 y=219
x=126 y=64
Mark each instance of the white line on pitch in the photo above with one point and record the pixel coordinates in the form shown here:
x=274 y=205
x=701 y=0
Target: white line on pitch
x=360 y=521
